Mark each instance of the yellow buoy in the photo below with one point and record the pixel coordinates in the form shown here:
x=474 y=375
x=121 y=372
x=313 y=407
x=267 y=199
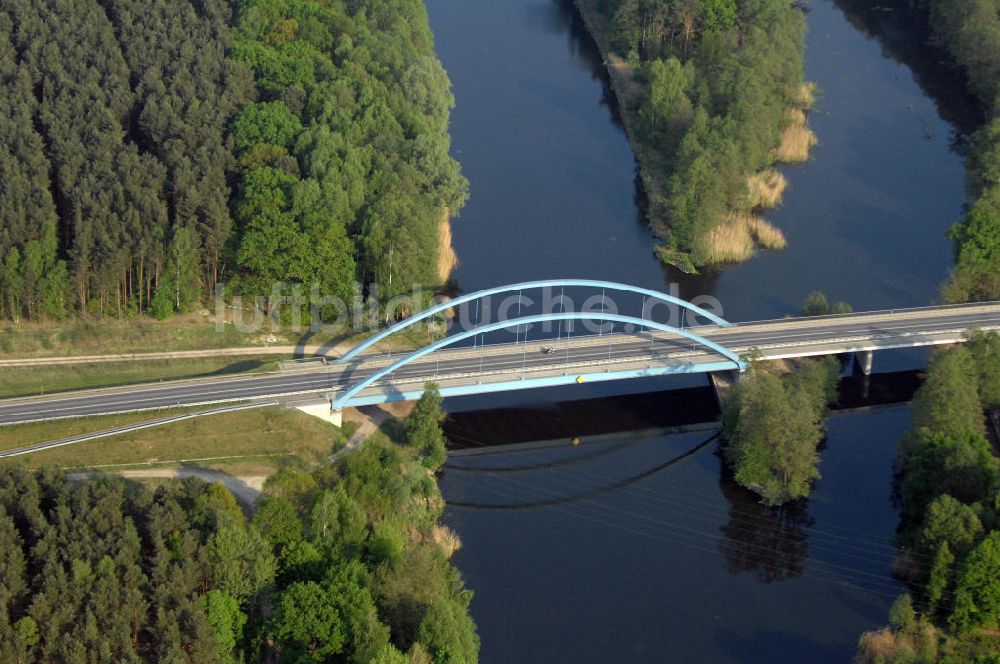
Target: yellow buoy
x=579 y=379
x=575 y=441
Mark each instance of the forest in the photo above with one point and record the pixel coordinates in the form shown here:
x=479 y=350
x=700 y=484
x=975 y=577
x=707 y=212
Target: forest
x=949 y=494
x=150 y=150
x=339 y=562
x=713 y=95
x=970 y=31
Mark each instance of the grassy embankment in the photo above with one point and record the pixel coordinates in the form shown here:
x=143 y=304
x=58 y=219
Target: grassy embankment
x=47 y=379
x=145 y=335
x=258 y=441
x=141 y=334
x=26 y=340
x=733 y=229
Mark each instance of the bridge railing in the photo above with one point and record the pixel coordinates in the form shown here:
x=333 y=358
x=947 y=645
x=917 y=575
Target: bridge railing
x=874 y=312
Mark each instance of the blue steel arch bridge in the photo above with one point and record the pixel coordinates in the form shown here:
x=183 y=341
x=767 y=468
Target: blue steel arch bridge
x=578 y=360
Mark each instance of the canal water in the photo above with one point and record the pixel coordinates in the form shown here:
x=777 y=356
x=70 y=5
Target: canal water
x=638 y=548
x=633 y=546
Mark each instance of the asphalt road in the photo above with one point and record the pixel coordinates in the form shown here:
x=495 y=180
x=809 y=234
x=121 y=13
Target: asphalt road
x=782 y=338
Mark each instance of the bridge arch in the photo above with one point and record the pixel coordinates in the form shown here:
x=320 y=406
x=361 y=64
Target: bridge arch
x=527 y=285
x=343 y=399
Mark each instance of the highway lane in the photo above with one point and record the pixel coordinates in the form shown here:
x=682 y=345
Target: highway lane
x=327 y=379
x=790 y=335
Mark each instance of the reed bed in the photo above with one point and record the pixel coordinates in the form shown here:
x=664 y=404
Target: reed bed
x=797 y=139
x=736 y=239
x=765 y=189
x=447 y=539
x=806 y=96
x=447 y=258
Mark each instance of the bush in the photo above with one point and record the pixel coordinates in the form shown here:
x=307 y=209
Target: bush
x=162 y=304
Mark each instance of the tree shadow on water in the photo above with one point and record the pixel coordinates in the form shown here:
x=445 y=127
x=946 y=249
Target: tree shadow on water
x=772 y=543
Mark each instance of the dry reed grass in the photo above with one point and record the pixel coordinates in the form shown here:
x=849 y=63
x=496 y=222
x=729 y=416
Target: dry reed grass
x=766 y=235
x=734 y=240
x=447 y=258
x=447 y=539
x=877 y=646
x=796 y=141
x=766 y=188
x=892 y=645
x=806 y=96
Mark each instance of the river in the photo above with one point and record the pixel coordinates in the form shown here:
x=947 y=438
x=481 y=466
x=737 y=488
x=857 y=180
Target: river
x=645 y=552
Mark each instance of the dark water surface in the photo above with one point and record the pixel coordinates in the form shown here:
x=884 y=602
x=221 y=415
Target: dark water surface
x=633 y=546
x=866 y=218
x=635 y=549
x=553 y=178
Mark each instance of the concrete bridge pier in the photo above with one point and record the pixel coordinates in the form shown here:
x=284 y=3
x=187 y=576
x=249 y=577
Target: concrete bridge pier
x=327 y=413
x=863 y=360
x=722 y=382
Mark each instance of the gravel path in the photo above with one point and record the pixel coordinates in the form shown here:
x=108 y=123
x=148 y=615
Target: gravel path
x=245 y=488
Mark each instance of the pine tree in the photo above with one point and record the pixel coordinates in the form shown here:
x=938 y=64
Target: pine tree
x=939 y=579
x=977 y=588
x=423 y=427
x=947 y=402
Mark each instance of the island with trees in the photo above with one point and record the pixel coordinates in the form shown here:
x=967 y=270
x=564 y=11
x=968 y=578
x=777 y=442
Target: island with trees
x=773 y=422
x=773 y=418
x=712 y=96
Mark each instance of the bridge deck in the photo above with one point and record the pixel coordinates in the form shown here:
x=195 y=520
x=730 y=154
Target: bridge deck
x=509 y=366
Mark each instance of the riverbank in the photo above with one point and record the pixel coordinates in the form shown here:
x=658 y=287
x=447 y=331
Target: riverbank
x=672 y=161
x=947 y=534
x=971 y=35
x=627 y=91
